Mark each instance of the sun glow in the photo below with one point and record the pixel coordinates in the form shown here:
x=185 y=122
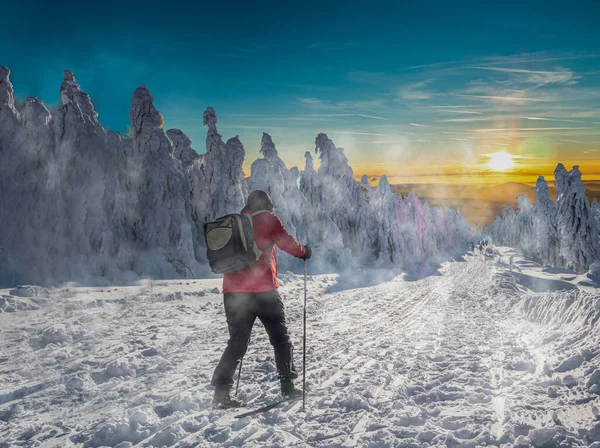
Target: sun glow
x=500 y=161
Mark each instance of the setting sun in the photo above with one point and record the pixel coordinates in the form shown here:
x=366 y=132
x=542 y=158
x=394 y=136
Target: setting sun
x=500 y=161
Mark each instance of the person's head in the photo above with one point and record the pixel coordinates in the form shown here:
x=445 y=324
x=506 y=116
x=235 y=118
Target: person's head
x=259 y=200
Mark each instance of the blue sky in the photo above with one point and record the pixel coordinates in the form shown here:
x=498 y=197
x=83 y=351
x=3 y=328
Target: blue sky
x=408 y=88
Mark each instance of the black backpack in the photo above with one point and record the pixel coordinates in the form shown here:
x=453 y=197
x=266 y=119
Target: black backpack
x=230 y=244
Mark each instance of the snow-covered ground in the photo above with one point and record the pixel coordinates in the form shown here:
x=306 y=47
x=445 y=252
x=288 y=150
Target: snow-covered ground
x=474 y=355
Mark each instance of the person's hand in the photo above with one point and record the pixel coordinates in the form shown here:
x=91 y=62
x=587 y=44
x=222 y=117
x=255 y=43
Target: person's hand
x=307 y=253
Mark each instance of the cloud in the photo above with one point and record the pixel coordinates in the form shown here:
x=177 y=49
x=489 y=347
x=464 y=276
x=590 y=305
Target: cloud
x=541 y=56
x=432 y=65
x=579 y=141
x=394 y=128
x=537 y=77
x=554 y=119
x=465 y=120
x=417 y=125
x=357 y=133
x=526 y=129
x=458 y=111
x=312 y=101
x=246 y=126
x=369 y=104
x=371 y=116
x=345 y=105
x=514 y=99
x=415 y=91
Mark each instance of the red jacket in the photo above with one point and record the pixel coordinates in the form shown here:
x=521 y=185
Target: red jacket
x=262 y=276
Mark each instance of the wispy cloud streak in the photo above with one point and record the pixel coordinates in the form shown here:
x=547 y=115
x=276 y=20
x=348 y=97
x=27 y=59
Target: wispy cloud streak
x=514 y=99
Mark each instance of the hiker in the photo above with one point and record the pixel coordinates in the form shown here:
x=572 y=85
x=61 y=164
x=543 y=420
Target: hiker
x=252 y=292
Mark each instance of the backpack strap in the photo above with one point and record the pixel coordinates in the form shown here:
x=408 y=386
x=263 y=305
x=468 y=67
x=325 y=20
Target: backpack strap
x=260 y=212
x=257 y=250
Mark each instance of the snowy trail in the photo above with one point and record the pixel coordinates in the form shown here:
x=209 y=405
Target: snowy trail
x=403 y=363
x=428 y=351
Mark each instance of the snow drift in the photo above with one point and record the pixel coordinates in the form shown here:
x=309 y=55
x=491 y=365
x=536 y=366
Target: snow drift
x=470 y=357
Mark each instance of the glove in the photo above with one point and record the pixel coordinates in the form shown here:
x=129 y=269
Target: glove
x=307 y=253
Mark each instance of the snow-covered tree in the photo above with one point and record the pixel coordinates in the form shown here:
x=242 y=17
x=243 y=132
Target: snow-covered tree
x=364 y=182
x=504 y=230
x=346 y=204
x=565 y=234
x=162 y=213
x=200 y=201
x=78 y=202
x=547 y=241
x=223 y=169
x=525 y=225
x=596 y=211
x=405 y=215
x=388 y=242
x=182 y=148
x=309 y=182
x=579 y=233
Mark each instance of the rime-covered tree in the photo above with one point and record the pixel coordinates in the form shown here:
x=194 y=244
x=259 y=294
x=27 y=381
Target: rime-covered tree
x=80 y=203
x=405 y=215
x=200 y=201
x=364 y=182
x=547 y=242
x=388 y=241
x=579 y=233
x=525 y=225
x=596 y=211
x=504 y=230
x=182 y=148
x=346 y=204
x=223 y=169
x=162 y=212
x=565 y=234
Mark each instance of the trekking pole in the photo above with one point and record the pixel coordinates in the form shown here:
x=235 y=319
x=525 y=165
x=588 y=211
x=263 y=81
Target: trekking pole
x=304 y=346
x=237 y=386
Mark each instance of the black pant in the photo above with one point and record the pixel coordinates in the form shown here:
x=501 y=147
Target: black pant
x=241 y=310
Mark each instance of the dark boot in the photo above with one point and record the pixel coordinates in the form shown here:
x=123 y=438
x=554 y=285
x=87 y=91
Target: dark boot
x=287 y=386
x=224 y=400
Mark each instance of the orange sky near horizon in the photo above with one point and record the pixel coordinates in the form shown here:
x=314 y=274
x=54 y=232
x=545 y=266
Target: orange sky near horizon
x=477 y=174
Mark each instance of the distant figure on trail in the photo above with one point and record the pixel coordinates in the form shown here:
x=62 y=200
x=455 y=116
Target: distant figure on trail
x=473 y=248
x=252 y=293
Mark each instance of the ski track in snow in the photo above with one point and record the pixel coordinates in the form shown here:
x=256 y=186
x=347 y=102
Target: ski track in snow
x=431 y=362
